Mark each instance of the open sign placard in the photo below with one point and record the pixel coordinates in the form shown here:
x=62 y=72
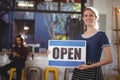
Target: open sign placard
x=66 y=52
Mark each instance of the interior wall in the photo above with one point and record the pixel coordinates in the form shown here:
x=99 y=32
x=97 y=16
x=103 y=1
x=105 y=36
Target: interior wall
x=100 y=5
x=111 y=4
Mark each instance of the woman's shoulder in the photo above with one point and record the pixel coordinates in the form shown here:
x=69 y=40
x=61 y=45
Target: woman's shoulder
x=101 y=32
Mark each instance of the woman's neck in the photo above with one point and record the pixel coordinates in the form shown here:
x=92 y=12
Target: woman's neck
x=19 y=45
x=90 y=31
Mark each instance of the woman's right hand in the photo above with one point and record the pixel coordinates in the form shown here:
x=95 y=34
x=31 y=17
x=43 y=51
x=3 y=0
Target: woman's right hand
x=83 y=67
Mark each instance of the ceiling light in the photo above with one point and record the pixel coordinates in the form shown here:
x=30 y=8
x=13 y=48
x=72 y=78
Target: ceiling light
x=26 y=28
x=25 y=4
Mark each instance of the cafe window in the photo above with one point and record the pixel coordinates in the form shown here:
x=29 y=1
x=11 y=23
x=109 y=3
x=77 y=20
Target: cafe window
x=49 y=20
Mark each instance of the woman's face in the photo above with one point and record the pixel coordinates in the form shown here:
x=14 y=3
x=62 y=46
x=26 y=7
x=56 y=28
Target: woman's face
x=18 y=41
x=89 y=18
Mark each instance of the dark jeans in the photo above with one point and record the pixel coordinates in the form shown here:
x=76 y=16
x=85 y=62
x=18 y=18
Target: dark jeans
x=18 y=65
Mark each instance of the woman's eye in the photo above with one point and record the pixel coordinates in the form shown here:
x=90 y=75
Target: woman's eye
x=85 y=15
x=88 y=15
x=91 y=15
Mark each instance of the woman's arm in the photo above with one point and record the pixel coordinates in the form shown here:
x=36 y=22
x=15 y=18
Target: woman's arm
x=108 y=59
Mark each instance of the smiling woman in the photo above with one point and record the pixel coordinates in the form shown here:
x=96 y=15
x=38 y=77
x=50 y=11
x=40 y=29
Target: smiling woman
x=97 y=41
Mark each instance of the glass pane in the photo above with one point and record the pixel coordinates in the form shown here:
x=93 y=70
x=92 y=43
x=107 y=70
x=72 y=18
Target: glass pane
x=48 y=6
x=24 y=15
x=71 y=7
x=53 y=6
x=58 y=26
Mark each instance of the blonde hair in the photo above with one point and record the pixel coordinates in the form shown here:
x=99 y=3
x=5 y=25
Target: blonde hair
x=95 y=13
